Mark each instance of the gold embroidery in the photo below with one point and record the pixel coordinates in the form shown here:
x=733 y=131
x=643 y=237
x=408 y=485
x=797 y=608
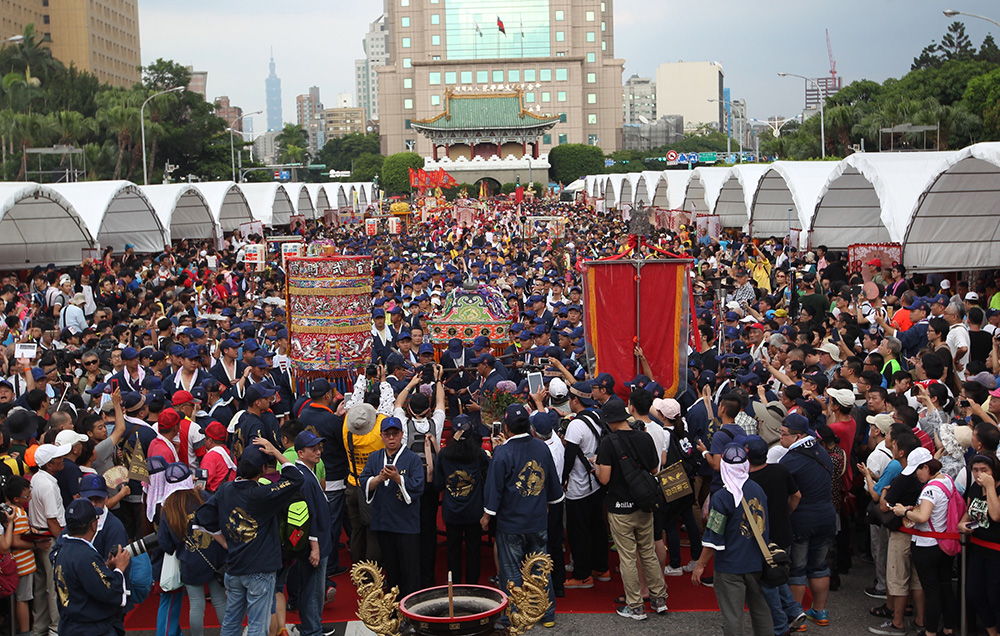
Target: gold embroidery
x=531 y=479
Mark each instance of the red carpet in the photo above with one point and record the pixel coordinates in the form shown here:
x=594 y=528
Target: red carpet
x=683 y=597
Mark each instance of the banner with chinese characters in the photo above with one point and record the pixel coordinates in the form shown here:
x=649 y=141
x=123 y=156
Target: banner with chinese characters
x=329 y=312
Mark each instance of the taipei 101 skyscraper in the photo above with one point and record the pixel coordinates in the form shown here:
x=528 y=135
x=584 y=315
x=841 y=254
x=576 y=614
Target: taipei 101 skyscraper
x=272 y=91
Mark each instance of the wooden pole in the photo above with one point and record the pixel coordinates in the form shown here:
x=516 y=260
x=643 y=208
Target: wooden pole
x=451 y=598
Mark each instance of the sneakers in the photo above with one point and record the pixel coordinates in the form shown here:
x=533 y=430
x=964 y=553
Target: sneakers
x=658 y=605
x=672 y=571
x=874 y=593
x=603 y=576
x=577 y=584
x=820 y=617
x=887 y=628
x=797 y=622
x=635 y=614
x=691 y=565
x=708 y=581
x=331 y=595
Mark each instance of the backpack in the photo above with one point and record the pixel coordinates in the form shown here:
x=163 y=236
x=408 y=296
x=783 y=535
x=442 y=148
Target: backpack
x=294 y=524
x=642 y=484
x=956 y=510
x=599 y=429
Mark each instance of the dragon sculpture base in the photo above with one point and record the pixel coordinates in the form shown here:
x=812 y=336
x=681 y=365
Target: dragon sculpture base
x=379 y=609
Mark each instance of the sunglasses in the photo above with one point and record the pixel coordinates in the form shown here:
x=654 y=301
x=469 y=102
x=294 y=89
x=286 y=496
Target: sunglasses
x=90 y=362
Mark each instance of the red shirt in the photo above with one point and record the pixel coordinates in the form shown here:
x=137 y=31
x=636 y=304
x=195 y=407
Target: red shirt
x=218 y=471
x=845 y=432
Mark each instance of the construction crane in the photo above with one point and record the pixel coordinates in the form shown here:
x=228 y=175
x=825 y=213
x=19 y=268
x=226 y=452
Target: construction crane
x=833 y=62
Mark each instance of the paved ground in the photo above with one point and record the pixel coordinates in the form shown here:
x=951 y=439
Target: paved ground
x=848 y=616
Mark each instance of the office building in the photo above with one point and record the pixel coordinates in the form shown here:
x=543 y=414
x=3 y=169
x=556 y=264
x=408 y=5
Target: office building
x=233 y=115
x=639 y=101
x=265 y=147
x=376 y=46
x=199 y=82
x=272 y=95
x=826 y=86
x=560 y=53
x=668 y=129
x=685 y=88
x=97 y=36
x=309 y=114
x=342 y=121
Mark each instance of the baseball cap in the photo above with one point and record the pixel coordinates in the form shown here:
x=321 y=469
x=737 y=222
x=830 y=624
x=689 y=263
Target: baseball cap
x=558 y=389
x=129 y=353
x=669 y=408
x=583 y=392
x=93 y=485
x=70 y=437
x=796 y=422
x=254 y=455
x=544 y=422
x=973 y=296
x=844 y=397
x=47 y=452
x=319 y=388
x=307 y=439
x=168 y=419
x=756 y=449
x=916 y=457
x=486 y=358
x=639 y=382
x=881 y=421
x=876 y=262
x=426 y=348
x=516 y=413
x=183 y=397
x=734 y=454
x=216 y=431
x=604 y=380
x=80 y=512
x=257 y=391
x=390 y=423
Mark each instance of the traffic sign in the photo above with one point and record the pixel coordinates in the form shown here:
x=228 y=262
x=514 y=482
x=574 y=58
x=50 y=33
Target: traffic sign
x=706 y=157
x=671 y=155
x=609 y=163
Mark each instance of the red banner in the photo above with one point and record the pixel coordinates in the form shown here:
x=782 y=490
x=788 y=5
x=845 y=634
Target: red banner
x=615 y=293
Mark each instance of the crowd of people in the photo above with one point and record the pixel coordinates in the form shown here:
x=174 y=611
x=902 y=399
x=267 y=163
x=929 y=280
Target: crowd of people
x=155 y=438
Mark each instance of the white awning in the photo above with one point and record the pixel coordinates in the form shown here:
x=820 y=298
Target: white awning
x=227 y=203
x=736 y=195
x=788 y=185
x=703 y=189
x=269 y=203
x=39 y=226
x=183 y=211
x=955 y=225
x=117 y=213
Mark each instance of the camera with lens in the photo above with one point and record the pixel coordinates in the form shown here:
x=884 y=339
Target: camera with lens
x=143 y=545
x=371 y=372
x=7 y=511
x=732 y=362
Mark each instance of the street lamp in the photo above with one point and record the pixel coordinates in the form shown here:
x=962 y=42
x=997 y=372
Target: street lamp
x=729 y=137
x=232 y=152
x=13 y=38
x=822 y=118
x=774 y=125
x=951 y=13
x=142 y=127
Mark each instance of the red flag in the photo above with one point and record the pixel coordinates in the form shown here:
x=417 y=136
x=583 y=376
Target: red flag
x=500 y=25
x=413 y=178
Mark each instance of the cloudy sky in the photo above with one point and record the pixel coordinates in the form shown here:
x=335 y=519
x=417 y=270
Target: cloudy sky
x=315 y=42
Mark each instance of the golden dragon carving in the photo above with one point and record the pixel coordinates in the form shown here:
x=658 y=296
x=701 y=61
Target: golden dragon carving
x=529 y=602
x=376 y=607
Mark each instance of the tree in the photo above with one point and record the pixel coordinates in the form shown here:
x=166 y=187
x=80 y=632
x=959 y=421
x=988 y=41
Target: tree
x=164 y=74
x=989 y=51
x=396 y=172
x=293 y=144
x=955 y=44
x=339 y=152
x=367 y=167
x=571 y=161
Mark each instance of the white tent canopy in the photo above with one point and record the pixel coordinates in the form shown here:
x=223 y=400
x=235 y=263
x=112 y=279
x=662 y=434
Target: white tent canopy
x=320 y=200
x=269 y=203
x=788 y=185
x=38 y=225
x=669 y=190
x=955 y=225
x=183 y=211
x=117 y=213
x=299 y=195
x=644 y=187
x=576 y=186
x=618 y=188
x=227 y=203
x=341 y=197
x=736 y=194
x=869 y=197
x=703 y=189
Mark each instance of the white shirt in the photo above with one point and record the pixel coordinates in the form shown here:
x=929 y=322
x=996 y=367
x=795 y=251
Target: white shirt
x=46 y=502
x=582 y=482
x=558 y=452
x=422 y=425
x=660 y=439
x=775 y=453
x=878 y=459
x=958 y=338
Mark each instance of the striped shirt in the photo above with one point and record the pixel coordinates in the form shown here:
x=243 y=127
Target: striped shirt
x=24 y=557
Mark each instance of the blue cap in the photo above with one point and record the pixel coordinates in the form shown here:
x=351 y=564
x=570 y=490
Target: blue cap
x=426 y=348
x=656 y=389
x=229 y=343
x=199 y=393
x=461 y=423
x=260 y=362
x=129 y=353
x=251 y=345
x=756 y=449
x=544 y=422
x=481 y=341
x=605 y=381
x=941 y=299
x=734 y=454
x=378 y=312
x=404 y=335
x=80 y=512
x=455 y=347
x=796 y=422
x=918 y=303
x=192 y=354
x=195 y=333
x=516 y=413
x=732 y=316
x=93 y=485
x=307 y=439
x=525 y=335
x=539 y=330
x=319 y=388
x=390 y=423
x=97 y=389
x=257 y=391
x=253 y=454
x=639 y=382
x=37 y=374
x=486 y=358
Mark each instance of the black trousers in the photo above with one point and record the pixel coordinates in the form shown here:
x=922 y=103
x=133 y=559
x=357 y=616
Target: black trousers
x=464 y=538
x=587 y=534
x=400 y=560
x=555 y=546
x=428 y=536
x=934 y=569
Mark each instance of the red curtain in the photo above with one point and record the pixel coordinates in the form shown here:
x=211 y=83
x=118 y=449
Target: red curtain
x=612 y=304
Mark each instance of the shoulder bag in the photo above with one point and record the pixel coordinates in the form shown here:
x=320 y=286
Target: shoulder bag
x=776 y=561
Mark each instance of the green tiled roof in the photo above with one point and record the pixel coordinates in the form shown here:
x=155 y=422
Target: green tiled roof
x=496 y=110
